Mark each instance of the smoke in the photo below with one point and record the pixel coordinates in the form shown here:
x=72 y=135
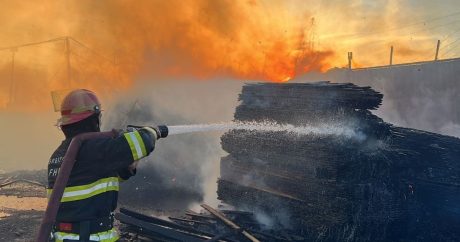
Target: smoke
x=27 y=140
x=115 y=43
x=184 y=168
x=118 y=47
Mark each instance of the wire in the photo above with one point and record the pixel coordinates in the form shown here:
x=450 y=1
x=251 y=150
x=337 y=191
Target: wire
x=30 y=44
x=452 y=48
x=92 y=51
x=450 y=34
x=452 y=55
x=397 y=28
x=451 y=43
x=441 y=25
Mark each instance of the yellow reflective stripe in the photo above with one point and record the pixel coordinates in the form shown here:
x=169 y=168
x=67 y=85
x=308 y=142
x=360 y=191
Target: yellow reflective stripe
x=131 y=145
x=61 y=236
x=141 y=143
x=86 y=191
x=136 y=144
x=106 y=236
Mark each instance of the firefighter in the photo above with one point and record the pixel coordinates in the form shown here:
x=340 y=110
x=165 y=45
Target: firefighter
x=90 y=196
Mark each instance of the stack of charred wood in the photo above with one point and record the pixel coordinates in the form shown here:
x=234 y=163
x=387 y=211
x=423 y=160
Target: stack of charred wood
x=380 y=183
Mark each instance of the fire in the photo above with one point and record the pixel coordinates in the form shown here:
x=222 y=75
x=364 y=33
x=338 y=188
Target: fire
x=115 y=43
x=286 y=79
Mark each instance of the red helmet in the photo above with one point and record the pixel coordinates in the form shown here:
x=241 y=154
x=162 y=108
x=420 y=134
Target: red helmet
x=78 y=105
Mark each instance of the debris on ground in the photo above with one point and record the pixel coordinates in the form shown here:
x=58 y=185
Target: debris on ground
x=208 y=225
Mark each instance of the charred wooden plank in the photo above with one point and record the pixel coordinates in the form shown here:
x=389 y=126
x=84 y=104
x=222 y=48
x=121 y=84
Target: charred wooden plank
x=161 y=222
x=188 y=221
x=197 y=215
x=230 y=223
x=155 y=231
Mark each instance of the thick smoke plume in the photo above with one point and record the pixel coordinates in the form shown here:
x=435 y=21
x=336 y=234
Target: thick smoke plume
x=114 y=43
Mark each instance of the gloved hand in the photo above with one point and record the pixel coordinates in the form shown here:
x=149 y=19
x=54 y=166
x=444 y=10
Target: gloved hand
x=154 y=133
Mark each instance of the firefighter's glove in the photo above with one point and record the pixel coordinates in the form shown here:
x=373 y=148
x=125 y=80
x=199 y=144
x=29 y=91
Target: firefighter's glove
x=152 y=132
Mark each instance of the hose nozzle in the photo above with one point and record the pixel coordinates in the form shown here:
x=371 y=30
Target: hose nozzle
x=162 y=131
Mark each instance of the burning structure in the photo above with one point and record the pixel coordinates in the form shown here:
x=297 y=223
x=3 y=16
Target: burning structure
x=385 y=183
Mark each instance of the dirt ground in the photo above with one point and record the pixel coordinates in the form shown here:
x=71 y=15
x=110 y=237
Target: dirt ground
x=20 y=217
x=22 y=205
x=20 y=225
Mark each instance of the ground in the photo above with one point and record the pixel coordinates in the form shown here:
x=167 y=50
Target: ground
x=23 y=202
x=20 y=215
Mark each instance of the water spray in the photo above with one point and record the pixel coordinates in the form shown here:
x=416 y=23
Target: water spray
x=332 y=129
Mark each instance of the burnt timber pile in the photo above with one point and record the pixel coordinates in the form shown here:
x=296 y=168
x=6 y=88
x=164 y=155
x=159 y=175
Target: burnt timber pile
x=386 y=183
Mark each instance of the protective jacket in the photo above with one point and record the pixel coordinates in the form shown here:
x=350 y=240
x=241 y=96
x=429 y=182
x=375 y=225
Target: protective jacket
x=91 y=194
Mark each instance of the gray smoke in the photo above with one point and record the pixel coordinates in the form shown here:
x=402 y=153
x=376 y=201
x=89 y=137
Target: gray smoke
x=184 y=168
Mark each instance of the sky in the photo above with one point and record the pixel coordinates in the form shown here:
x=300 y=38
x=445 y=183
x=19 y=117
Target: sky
x=115 y=46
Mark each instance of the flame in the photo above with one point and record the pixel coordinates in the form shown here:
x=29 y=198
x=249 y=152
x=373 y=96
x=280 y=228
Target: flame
x=115 y=43
x=286 y=79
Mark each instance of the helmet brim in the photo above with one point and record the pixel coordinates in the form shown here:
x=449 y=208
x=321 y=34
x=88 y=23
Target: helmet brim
x=73 y=118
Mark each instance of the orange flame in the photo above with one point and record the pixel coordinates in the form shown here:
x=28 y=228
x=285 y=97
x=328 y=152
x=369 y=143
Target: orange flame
x=149 y=39
x=118 y=42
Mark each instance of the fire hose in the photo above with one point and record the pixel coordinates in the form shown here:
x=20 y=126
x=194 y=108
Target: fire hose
x=54 y=201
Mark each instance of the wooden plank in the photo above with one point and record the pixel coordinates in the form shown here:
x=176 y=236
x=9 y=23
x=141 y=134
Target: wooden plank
x=228 y=222
x=197 y=215
x=161 y=222
x=188 y=220
x=153 y=230
x=22 y=180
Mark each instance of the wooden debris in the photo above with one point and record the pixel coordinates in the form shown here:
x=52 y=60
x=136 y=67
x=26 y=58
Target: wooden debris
x=155 y=231
x=228 y=222
x=212 y=227
x=22 y=180
x=189 y=221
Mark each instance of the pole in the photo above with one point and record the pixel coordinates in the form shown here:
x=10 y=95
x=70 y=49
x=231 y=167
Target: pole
x=69 y=70
x=437 y=50
x=391 y=56
x=350 y=57
x=12 y=86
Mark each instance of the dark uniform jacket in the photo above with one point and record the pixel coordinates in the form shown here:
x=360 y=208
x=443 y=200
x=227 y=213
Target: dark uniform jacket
x=92 y=190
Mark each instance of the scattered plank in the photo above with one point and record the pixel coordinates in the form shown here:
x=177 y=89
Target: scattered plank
x=228 y=222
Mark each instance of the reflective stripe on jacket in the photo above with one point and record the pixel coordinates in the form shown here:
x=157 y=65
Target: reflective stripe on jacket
x=107 y=236
x=86 y=191
x=92 y=189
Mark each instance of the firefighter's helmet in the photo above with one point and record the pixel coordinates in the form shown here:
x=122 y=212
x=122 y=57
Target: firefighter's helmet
x=78 y=105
